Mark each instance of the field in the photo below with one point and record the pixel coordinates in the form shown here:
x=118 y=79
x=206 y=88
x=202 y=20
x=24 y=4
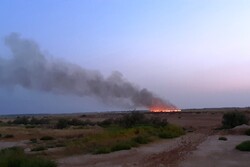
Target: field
x=187 y=138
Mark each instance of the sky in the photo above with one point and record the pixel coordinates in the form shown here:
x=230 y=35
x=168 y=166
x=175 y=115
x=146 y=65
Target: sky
x=193 y=53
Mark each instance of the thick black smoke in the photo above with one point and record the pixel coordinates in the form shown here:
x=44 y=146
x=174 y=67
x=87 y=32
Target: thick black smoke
x=31 y=69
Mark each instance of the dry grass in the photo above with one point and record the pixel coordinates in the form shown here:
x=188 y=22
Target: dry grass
x=22 y=133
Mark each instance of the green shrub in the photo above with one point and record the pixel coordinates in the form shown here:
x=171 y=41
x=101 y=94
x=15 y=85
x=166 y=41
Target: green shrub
x=33 y=140
x=62 y=123
x=222 y=138
x=47 y=138
x=15 y=157
x=171 y=131
x=36 y=121
x=165 y=135
x=137 y=118
x=247 y=132
x=132 y=119
x=60 y=145
x=39 y=148
x=106 y=122
x=21 y=120
x=157 y=122
x=30 y=126
x=232 y=119
x=122 y=146
x=102 y=150
x=141 y=139
x=8 y=136
x=244 y=146
x=76 y=122
x=117 y=137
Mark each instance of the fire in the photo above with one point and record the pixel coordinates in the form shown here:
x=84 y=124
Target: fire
x=155 y=109
x=159 y=105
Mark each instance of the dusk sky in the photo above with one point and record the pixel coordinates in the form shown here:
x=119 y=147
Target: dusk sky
x=194 y=53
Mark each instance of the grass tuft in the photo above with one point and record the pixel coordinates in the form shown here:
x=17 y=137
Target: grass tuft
x=222 y=138
x=244 y=146
x=47 y=138
x=39 y=148
x=247 y=132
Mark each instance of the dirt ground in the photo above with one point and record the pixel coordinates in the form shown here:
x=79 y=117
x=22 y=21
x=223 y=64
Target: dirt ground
x=199 y=147
x=164 y=153
x=217 y=153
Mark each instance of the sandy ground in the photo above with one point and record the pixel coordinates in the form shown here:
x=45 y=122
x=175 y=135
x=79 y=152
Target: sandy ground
x=199 y=147
x=6 y=144
x=216 y=153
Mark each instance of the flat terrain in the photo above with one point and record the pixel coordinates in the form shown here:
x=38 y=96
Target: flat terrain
x=198 y=147
x=217 y=153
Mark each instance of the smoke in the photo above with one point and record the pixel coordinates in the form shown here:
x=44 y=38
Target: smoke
x=30 y=68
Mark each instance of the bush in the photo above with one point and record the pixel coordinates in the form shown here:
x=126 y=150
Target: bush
x=106 y=122
x=15 y=157
x=247 y=132
x=157 y=122
x=47 y=138
x=141 y=139
x=75 y=122
x=39 y=148
x=171 y=131
x=21 y=120
x=8 y=136
x=122 y=146
x=222 y=138
x=133 y=119
x=62 y=123
x=232 y=119
x=102 y=150
x=33 y=140
x=33 y=121
x=36 y=121
x=30 y=126
x=244 y=146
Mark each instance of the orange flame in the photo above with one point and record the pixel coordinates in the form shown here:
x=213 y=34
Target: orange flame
x=160 y=106
x=155 y=109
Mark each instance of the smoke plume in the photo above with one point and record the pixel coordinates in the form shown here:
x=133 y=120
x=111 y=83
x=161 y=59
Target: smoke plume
x=30 y=68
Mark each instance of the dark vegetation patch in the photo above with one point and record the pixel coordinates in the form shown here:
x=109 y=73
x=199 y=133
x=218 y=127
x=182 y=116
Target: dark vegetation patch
x=8 y=136
x=233 y=119
x=123 y=133
x=222 y=138
x=29 y=121
x=47 y=138
x=39 y=148
x=129 y=130
x=15 y=157
x=33 y=140
x=65 y=123
x=247 y=132
x=244 y=146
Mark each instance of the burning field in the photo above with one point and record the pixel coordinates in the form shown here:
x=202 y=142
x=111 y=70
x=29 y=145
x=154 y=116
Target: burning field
x=159 y=106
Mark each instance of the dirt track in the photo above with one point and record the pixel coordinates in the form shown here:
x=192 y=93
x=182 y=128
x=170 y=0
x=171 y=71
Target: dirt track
x=162 y=153
x=217 y=153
